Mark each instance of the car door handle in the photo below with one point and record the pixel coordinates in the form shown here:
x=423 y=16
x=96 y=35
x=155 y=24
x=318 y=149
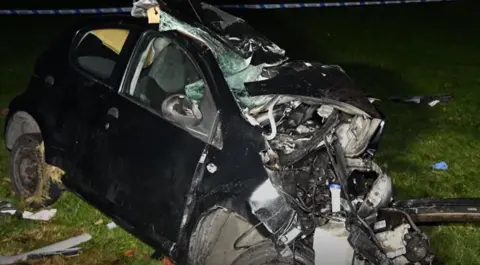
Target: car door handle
x=112 y=114
x=49 y=81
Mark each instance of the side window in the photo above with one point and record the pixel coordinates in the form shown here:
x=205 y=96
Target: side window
x=167 y=82
x=98 y=50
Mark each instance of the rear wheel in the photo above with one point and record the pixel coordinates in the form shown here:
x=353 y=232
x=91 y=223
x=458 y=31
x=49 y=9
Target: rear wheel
x=36 y=182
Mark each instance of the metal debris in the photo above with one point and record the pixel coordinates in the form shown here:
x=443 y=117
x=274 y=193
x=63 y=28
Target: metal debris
x=424 y=100
x=67 y=247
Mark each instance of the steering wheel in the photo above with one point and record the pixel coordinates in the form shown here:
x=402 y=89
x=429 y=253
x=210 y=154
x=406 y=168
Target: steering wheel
x=181 y=110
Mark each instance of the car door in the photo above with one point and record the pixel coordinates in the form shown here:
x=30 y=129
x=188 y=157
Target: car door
x=141 y=150
x=94 y=58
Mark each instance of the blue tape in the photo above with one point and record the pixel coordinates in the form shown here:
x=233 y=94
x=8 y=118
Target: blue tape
x=329 y=4
x=117 y=10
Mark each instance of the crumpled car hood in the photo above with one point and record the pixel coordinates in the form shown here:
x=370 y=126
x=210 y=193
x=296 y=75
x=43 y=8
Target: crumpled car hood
x=315 y=80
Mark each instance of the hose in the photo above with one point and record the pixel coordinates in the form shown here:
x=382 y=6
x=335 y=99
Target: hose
x=271 y=119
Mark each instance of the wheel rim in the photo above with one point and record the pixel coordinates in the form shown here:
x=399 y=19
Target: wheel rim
x=27 y=171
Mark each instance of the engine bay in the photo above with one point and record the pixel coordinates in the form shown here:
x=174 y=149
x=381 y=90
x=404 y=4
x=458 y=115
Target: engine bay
x=320 y=159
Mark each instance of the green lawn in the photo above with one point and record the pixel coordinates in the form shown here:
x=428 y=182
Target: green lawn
x=398 y=50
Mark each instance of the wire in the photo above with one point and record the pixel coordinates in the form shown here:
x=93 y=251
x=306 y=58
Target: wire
x=271 y=119
x=235 y=244
x=195 y=11
x=409 y=218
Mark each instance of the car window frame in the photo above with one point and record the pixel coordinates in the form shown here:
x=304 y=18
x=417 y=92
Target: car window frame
x=177 y=38
x=111 y=82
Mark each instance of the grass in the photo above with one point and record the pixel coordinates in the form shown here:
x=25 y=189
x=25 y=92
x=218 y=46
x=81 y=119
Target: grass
x=390 y=51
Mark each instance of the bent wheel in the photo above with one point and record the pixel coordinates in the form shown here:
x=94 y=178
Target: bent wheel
x=265 y=253
x=31 y=177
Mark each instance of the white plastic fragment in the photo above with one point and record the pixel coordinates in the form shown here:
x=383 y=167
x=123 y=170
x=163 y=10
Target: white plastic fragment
x=43 y=215
x=433 y=103
x=11 y=212
x=335 y=190
x=111 y=225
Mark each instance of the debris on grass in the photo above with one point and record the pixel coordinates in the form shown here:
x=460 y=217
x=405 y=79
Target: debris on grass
x=111 y=225
x=53 y=172
x=7 y=208
x=99 y=222
x=43 y=215
x=66 y=247
x=48 y=174
x=440 y=165
x=424 y=100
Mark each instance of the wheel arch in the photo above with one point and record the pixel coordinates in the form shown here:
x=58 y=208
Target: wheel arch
x=215 y=233
x=19 y=123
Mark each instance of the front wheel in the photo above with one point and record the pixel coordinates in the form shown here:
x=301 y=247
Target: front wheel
x=265 y=253
x=223 y=237
x=36 y=182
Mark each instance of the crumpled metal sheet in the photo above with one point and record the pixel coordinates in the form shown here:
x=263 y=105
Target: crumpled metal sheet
x=246 y=40
x=140 y=8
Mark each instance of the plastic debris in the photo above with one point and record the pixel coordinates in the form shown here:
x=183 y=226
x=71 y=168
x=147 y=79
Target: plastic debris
x=425 y=100
x=65 y=248
x=44 y=215
x=111 y=225
x=7 y=208
x=440 y=165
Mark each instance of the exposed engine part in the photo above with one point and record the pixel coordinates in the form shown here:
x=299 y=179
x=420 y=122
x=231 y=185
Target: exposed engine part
x=299 y=115
x=362 y=243
x=379 y=196
x=271 y=119
x=312 y=144
x=355 y=136
x=417 y=247
x=324 y=111
x=311 y=147
x=393 y=242
x=262 y=119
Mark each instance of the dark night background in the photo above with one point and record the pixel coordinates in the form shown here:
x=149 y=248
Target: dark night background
x=395 y=50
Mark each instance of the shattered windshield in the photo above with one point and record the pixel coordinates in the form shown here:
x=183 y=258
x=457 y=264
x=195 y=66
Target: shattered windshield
x=234 y=67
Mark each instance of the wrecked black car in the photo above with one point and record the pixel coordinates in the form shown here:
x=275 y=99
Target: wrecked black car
x=200 y=137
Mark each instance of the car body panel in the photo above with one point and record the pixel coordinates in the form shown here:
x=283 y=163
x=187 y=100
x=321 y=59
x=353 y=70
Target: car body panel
x=316 y=80
x=139 y=170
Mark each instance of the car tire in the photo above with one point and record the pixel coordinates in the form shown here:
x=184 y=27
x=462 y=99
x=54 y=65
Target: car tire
x=30 y=176
x=265 y=253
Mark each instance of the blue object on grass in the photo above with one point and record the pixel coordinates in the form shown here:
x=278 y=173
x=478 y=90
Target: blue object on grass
x=440 y=165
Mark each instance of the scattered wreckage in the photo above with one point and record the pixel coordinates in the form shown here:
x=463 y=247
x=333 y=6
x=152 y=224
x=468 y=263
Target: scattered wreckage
x=200 y=137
